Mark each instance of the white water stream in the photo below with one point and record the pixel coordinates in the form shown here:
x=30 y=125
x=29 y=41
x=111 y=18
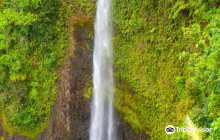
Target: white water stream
x=102 y=122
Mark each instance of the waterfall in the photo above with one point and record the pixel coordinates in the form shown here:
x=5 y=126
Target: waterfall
x=102 y=122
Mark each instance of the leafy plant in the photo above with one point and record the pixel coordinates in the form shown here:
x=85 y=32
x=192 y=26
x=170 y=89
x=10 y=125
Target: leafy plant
x=31 y=48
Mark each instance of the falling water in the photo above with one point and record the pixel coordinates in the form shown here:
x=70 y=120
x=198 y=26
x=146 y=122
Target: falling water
x=102 y=123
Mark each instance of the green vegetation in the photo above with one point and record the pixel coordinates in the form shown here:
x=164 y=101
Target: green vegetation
x=167 y=62
x=31 y=46
x=203 y=71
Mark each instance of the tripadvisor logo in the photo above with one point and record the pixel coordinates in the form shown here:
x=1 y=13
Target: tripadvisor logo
x=170 y=129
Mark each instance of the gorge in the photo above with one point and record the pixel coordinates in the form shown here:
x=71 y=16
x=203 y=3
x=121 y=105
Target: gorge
x=163 y=55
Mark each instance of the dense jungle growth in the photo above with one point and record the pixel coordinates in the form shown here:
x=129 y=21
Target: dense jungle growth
x=32 y=41
x=167 y=63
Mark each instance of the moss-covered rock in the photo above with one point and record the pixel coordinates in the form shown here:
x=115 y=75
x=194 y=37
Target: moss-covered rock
x=149 y=41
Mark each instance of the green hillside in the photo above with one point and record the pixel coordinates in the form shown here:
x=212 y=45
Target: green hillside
x=166 y=62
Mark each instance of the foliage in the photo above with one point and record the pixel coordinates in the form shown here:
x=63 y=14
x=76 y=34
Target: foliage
x=194 y=135
x=203 y=68
x=31 y=48
x=166 y=59
x=88 y=90
x=87 y=6
x=160 y=60
x=215 y=130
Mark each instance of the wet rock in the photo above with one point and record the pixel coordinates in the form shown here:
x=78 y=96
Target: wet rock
x=70 y=118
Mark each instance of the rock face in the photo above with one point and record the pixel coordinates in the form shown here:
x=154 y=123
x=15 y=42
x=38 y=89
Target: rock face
x=70 y=118
x=73 y=110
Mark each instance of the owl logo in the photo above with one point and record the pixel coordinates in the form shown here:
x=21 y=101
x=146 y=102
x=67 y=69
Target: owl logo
x=170 y=129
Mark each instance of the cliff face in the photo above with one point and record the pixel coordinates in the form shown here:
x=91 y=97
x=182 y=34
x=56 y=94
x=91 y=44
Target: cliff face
x=160 y=55
x=71 y=112
x=166 y=67
x=73 y=108
x=70 y=118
